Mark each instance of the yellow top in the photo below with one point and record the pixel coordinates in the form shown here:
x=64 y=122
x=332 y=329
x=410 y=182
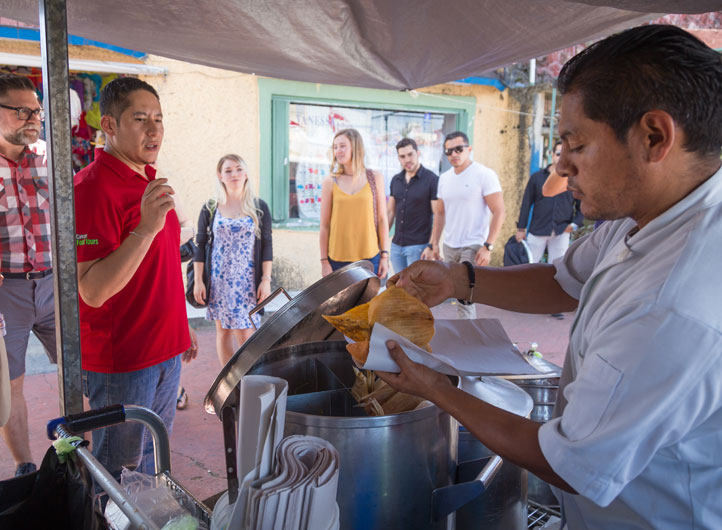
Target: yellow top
x=352 y=233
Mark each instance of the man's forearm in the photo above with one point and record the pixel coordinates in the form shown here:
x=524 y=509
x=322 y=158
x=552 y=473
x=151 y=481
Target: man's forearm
x=509 y=287
x=437 y=227
x=107 y=276
x=510 y=436
x=497 y=221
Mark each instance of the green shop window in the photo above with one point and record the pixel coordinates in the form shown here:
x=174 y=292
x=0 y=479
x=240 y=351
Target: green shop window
x=298 y=121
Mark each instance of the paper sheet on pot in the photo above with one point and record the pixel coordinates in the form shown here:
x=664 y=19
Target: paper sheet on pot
x=460 y=347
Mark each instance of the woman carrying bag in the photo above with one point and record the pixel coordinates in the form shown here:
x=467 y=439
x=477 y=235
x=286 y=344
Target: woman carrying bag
x=241 y=256
x=354 y=223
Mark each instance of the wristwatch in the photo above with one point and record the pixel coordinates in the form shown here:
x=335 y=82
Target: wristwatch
x=488 y=246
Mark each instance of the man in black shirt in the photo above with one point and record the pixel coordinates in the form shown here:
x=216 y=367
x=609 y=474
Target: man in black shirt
x=553 y=219
x=412 y=203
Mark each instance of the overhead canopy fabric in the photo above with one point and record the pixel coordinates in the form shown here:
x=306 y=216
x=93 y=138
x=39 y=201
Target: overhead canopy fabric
x=393 y=44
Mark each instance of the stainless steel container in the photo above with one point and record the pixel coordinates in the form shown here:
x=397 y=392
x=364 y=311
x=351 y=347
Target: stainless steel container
x=389 y=464
x=396 y=471
x=543 y=392
x=504 y=505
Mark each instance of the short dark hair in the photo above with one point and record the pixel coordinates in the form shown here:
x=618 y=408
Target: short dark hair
x=405 y=142
x=10 y=82
x=456 y=134
x=114 y=96
x=651 y=67
x=555 y=144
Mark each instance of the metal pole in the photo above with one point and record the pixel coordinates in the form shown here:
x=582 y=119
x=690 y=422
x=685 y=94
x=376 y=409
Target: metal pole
x=54 y=49
x=532 y=72
x=551 y=125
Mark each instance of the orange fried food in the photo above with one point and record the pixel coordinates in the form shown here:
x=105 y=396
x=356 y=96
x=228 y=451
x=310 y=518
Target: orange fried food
x=400 y=312
x=354 y=323
x=359 y=351
x=395 y=309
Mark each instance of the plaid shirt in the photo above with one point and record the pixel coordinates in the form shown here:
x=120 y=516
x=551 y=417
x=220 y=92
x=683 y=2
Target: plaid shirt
x=25 y=212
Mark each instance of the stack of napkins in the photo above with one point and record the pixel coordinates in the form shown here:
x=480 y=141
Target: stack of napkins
x=287 y=483
x=301 y=494
x=261 y=419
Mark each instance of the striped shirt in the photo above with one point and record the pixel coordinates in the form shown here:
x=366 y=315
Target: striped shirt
x=25 y=212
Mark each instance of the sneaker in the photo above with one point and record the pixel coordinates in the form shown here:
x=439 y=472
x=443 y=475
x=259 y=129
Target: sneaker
x=25 y=468
x=559 y=316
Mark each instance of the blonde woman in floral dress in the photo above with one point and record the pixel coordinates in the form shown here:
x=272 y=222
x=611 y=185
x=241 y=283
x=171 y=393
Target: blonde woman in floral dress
x=241 y=258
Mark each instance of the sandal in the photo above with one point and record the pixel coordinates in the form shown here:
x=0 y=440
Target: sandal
x=182 y=401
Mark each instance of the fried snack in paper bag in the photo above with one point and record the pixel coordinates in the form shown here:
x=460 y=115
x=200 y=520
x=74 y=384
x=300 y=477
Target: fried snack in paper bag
x=400 y=312
x=394 y=308
x=359 y=351
x=354 y=323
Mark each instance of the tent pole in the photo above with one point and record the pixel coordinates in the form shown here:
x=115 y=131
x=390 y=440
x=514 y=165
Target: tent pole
x=54 y=50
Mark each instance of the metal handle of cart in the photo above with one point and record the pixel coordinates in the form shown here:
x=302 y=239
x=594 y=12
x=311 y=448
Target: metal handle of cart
x=263 y=304
x=96 y=419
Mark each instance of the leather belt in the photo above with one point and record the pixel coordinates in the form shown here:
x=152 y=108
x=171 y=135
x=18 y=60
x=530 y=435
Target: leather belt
x=31 y=275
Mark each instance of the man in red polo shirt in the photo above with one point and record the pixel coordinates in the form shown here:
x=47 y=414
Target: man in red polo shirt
x=133 y=321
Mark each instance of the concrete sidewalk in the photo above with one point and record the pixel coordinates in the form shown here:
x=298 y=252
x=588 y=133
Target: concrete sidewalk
x=197 y=438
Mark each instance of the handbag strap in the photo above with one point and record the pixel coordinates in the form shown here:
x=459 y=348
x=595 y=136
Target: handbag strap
x=211 y=206
x=372 y=182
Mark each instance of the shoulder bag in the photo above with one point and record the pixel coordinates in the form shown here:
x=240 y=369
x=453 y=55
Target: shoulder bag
x=190 y=273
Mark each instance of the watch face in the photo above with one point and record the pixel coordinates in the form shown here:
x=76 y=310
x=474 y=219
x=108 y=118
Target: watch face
x=489 y=246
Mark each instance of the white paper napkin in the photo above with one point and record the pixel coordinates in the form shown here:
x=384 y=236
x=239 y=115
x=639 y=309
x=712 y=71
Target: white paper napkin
x=460 y=347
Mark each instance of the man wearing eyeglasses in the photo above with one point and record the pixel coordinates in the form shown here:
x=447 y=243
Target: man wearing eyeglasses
x=26 y=290
x=470 y=209
x=553 y=219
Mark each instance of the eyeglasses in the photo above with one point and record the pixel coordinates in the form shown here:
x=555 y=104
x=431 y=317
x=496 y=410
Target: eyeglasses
x=25 y=113
x=459 y=149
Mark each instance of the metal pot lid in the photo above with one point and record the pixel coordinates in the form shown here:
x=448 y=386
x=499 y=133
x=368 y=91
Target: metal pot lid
x=297 y=322
x=498 y=392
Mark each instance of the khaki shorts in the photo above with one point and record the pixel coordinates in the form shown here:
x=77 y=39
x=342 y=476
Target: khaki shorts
x=27 y=305
x=4 y=384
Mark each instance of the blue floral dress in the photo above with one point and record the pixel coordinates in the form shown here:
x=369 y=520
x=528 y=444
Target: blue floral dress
x=233 y=292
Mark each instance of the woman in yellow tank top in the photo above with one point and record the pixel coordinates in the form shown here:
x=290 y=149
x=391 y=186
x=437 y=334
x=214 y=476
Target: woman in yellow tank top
x=354 y=224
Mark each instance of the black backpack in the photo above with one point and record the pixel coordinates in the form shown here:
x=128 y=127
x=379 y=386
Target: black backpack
x=516 y=252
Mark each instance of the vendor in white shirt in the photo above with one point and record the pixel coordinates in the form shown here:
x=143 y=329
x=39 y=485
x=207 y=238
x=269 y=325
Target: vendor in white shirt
x=637 y=437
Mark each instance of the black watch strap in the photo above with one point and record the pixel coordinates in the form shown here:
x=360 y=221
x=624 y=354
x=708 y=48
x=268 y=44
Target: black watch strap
x=472 y=282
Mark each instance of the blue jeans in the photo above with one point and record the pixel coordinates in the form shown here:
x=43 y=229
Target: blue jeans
x=130 y=444
x=402 y=257
x=335 y=265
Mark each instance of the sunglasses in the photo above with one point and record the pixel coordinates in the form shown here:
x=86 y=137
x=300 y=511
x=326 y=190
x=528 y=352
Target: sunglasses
x=459 y=149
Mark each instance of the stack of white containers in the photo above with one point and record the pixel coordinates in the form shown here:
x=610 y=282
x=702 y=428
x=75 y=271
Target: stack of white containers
x=287 y=484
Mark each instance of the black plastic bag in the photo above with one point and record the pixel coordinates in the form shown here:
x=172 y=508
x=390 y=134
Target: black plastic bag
x=56 y=496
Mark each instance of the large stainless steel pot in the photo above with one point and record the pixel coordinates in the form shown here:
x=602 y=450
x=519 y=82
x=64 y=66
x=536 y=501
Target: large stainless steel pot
x=390 y=465
x=396 y=471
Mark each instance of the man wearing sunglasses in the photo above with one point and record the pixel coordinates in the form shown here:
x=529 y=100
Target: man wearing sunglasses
x=470 y=209
x=553 y=219
x=26 y=290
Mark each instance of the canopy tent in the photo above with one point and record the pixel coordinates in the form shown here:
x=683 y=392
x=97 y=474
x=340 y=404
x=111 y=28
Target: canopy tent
x=393 y=44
